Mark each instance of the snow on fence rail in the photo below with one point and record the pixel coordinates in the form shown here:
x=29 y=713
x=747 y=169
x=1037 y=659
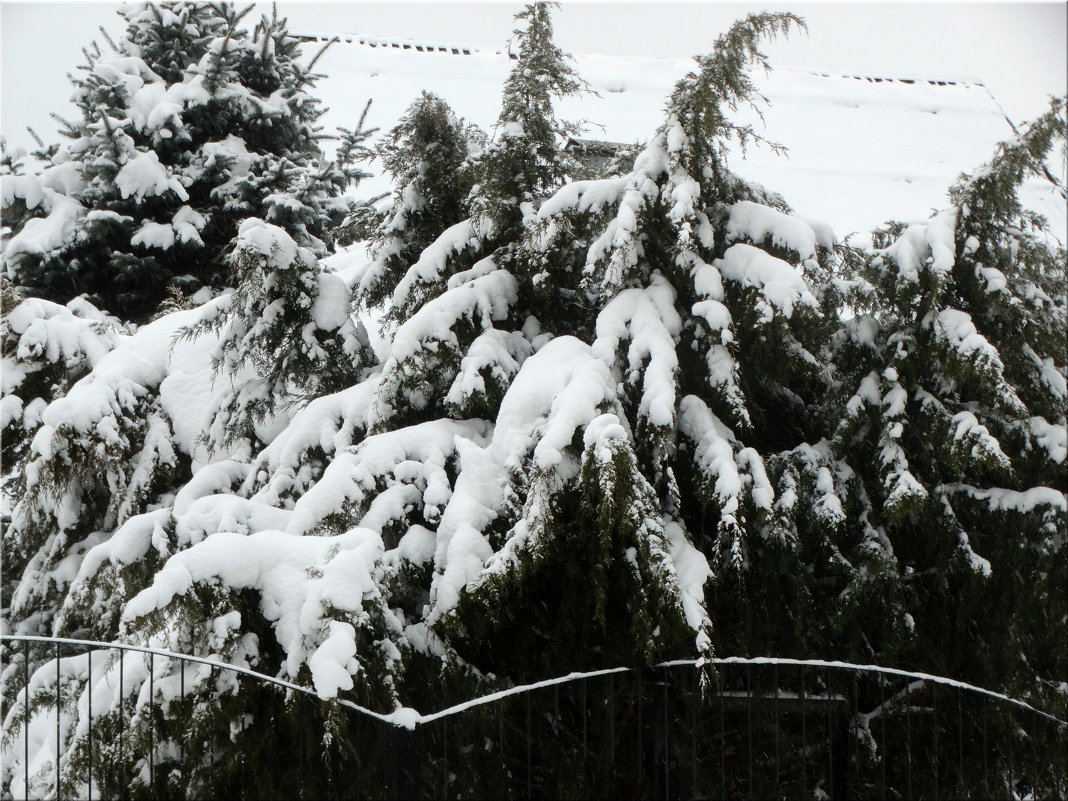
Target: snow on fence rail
x=960 y=685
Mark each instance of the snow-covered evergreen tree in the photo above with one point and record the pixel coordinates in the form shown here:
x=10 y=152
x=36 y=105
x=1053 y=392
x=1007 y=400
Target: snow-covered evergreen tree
x=285 y=335
x=526 y=162
x=956 y=429
x=716 y=316
x=428 y=156
x=191 y=125
x=103 y=459
x=46 y=349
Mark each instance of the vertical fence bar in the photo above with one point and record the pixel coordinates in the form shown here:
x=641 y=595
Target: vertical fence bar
x=986 y=768
x=1034 y=755
x=839 y=746
x=612 y=725
x=1012 y=781
x=214 y=715
x=244 y=725
x=667 y=739
x=960 y=745
x=356 y=738
x=26 y=719
x=445 y=755
x=500 y=739
x=181 y=729
x=749 y=721
x=830 y=739
x=58 y=701
x=804 y=737
x=722 y=742
x=934 y=713
x=641 y=773
x=89 y=656
x=122 y=726
x=297 y=701
x=530 y=767
x=585 y=752
x=852 y=730
x=241 y=747
x=406 y=751
x=775 y=712
x=1057 y=770
x=908 y=737
x=885 y=755
x=695 y=699
x=556 y=708
x=151 y=722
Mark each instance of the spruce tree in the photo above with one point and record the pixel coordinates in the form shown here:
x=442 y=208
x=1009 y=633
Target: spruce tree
x=503 y=492
x=191 y=125
x=107 y=454
x=46 y=348
x=566 y=443
x=716 y=313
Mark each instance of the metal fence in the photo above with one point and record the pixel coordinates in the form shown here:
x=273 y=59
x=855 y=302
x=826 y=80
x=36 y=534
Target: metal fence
x=761 y=728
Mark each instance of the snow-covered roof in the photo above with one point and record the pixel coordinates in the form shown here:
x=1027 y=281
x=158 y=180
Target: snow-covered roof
x=862 y=149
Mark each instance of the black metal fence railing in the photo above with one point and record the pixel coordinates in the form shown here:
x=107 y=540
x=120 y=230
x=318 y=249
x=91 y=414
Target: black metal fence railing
x=105 y=720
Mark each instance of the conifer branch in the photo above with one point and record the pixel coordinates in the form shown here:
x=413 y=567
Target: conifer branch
x=322 y=50
x=108 y=39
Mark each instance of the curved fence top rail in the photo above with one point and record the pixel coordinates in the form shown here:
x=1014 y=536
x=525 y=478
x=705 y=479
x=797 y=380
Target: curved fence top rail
x=397 y=717
x=910 y=674
x=409 y=718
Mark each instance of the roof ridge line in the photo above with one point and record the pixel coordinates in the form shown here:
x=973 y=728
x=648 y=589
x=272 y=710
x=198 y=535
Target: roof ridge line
x=877 y=77
x=393 y=42
x=402 y=43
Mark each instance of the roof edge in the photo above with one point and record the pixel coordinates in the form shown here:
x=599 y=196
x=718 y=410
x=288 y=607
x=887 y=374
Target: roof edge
x=388 y=42
x=455 y=48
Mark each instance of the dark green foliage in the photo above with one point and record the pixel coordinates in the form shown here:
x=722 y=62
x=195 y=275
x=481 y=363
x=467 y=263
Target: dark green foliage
x=956 y=430
x=527 y=162
x=428 y=156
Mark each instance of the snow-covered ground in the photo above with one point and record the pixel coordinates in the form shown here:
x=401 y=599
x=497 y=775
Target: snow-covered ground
x=862 y=149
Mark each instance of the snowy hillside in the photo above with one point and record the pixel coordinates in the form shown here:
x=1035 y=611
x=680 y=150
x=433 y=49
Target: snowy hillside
x=862 y=149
